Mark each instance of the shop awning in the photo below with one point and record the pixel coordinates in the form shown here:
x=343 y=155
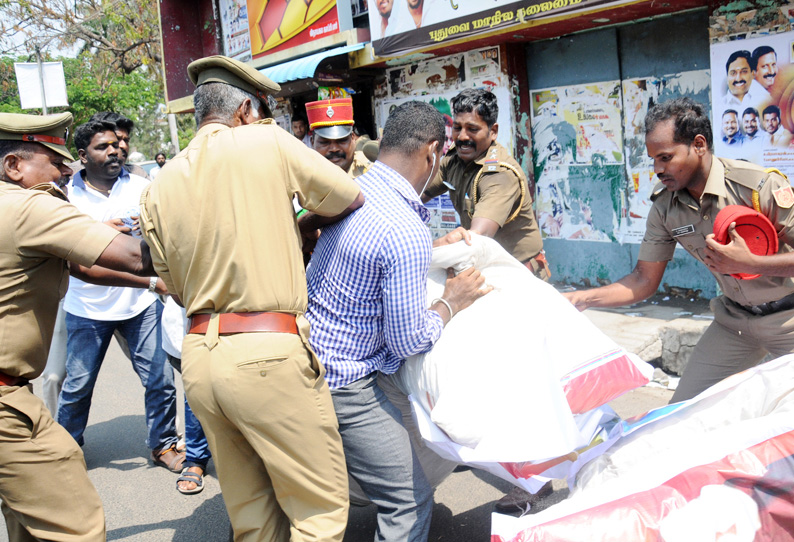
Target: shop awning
x=304 y=68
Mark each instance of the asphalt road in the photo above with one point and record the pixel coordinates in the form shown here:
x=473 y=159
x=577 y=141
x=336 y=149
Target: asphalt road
x=142 y=504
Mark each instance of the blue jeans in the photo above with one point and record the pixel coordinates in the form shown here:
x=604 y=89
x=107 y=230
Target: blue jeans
x=197 y=450
x=86 y=346
x=380 y=458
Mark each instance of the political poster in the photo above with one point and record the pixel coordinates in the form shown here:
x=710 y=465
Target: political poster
x=753 y=100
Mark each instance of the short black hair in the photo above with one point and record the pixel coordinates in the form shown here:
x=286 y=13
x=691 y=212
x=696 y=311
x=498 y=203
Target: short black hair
x=478 y=100
x=689 y=120
x=760 y=51
x=772 y=109
x=115 y=118
x=296 y=118
x=160 y=154
x=730 y=111
x=412 y=125
x=750 y=111
x=86 y=132
x=740 y=54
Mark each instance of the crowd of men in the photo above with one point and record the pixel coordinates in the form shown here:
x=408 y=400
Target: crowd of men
x=298 y=421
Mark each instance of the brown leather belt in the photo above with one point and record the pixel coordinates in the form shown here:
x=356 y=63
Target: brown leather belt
x=8 y=380
x=246 y=322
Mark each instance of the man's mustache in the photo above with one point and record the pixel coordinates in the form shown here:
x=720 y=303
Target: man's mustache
x=336 y=154
x=114 y=160
x=465 y=144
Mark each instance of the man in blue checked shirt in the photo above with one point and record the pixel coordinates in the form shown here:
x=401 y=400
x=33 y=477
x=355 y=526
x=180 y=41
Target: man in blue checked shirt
x=367 y=289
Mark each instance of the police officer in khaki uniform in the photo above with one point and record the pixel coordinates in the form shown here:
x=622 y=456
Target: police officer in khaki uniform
x=233 y=257
x=487 y=186
x=752 y=317
x=45 y=490
x=331 y=125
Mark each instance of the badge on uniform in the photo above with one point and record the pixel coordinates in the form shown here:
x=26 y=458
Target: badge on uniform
x=683 y=230
x=784 y=197
x=330 y=112
x=491 y=165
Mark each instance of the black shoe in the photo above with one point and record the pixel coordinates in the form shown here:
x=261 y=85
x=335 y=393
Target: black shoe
x=519 y=501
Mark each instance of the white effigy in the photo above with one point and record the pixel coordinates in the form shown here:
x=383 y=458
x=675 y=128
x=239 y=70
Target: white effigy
x=516 y=383
x=719 y=466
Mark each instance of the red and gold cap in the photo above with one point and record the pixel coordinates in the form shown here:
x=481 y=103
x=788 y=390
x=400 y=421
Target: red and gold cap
x=331 y=119
x=756 y=230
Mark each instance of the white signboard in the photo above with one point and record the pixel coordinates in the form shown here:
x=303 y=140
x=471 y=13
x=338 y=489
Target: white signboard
x=29 y=83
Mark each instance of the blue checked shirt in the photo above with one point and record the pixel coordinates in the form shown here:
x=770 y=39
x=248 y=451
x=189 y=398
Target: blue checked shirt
x=368 y=283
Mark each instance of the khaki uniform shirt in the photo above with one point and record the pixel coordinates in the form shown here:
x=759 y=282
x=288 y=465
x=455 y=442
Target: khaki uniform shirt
x=41 y=230
x=678 y=217
x=220 y=221
x=499 y=194
x=359 y=166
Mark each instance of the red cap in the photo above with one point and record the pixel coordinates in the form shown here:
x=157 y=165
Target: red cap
x=756 y=230
x=332 y=119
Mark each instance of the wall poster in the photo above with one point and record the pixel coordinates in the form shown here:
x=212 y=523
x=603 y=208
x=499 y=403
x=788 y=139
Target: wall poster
x=234 y=29
x=578 y=158
x=753 y=100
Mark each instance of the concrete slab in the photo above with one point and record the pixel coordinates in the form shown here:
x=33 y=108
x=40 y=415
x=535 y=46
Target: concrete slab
x=663 y=335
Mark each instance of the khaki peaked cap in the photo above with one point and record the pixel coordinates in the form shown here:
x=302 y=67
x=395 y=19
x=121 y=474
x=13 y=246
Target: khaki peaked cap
x=222 y=69
x=49 y=130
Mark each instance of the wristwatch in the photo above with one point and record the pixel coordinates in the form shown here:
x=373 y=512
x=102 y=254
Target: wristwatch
x=152 y=284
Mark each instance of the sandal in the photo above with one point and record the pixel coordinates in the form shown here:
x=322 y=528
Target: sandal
x=188 y=476
x=169 y=458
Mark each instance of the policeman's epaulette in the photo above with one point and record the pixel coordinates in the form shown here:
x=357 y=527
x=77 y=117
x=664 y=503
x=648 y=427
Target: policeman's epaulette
x=658 y=189
x=491 y=165
x=744 y=173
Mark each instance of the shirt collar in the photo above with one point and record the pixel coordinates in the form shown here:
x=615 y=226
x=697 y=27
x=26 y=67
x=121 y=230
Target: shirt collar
x=715 y=184
x=401 y=185
x=77 y=178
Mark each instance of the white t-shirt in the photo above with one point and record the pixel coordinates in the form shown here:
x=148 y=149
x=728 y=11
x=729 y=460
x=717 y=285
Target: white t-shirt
x=107 y=303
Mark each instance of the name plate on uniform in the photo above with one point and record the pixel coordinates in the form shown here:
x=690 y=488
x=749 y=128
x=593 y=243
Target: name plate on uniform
x=683 y=230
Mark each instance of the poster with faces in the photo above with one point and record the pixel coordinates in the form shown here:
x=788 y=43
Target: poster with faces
x=753 y=100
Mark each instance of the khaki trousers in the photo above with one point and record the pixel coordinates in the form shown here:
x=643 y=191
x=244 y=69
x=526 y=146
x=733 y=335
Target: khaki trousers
x=44 y=485
x=270 y=423
x=735 y=341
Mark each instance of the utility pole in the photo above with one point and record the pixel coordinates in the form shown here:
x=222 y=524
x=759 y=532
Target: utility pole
x=41 y=80
x=174 y=132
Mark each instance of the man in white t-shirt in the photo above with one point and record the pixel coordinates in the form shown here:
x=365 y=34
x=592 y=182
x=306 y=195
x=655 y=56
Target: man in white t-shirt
x=105 y=190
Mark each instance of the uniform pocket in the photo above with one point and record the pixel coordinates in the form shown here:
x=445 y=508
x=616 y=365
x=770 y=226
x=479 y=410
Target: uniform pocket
x=694 y=244
x=270 y=362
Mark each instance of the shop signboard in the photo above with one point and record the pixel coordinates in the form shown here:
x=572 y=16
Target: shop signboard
x=402 y=25
x=276 y=25
x=753 y=100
